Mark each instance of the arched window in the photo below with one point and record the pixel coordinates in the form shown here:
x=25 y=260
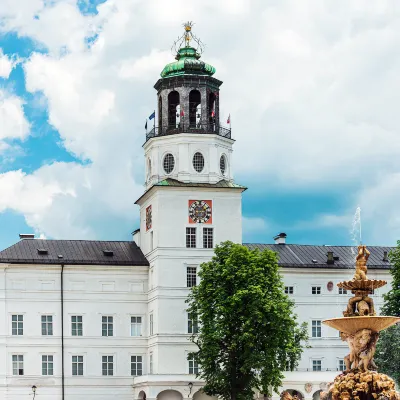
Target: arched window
x=194 y=109
x=211 y=108
x=173 y=103
x=159 y=114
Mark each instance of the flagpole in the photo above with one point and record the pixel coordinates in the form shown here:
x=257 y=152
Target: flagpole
x=154 y=122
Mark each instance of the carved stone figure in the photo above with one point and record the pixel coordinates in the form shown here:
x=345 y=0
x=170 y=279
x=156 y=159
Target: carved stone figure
x=360 y=305
x=361 y=263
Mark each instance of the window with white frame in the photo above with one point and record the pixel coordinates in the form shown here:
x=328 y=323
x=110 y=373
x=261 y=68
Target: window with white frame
x=289 y=289
x=193 y=324
x=18 y=364
x=107 y=365
x=47 y=365
x=191 y=276
x=193 y=366
x=208 y=238
x=76 y=325
x=17 y=325
x=136 y=326
x=136 y=365
x=316 y=289
x=341 y=365
x=47 y=325
x=191 y=238
x=151 y=363
x=342 y=291
x=107 y=325
x=316 y=329
x=151 y=323
x=77 y=365
x=317 y=365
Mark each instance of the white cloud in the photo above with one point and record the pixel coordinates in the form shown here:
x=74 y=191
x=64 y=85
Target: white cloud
x=6 y=65
x=253 y=225
x=311 y=87
x=13 y=124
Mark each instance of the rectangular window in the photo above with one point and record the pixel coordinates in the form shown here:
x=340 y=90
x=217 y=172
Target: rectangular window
x=289 y=289
x=191 y=276
x=136 y=365
x=316 y=290
x=17 y=322
x=151 y=325
x=47 y=365
x=341 y=365
x=151 y=363
x=107 y=326
x=316 y=328
x=193 y=325
x=136 y=326
x=208 y=238
x=342 y=291
x=316 y=365
x=76 y=325
x=107 y=365
x=191 y=237
x=77 y=365
x=193 y=367
x=288 y=366
x=18 y=364
x=47 y=325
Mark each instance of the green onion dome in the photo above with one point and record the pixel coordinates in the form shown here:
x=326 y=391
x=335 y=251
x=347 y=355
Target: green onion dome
x=187 y=63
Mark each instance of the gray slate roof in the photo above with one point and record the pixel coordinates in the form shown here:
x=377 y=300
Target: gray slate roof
x=82 y=252
x=302 y=256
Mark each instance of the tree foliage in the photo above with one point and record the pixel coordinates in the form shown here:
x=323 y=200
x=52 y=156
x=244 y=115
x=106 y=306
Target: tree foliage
x=248 y=330
x=388 y=349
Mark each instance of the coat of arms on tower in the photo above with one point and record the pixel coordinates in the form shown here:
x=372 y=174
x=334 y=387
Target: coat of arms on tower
x=149 y=219
x=200 y=211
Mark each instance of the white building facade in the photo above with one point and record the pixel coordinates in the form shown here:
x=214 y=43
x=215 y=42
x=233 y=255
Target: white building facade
x=107 y=320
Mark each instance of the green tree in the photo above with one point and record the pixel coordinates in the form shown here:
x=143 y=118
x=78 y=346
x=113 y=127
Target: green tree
x=388 y=349
x=248 y=331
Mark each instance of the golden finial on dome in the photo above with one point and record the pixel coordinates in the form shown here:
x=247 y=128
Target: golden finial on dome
x=188 y=40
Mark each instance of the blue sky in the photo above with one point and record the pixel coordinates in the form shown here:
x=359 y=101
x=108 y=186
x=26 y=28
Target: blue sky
x=313 y=103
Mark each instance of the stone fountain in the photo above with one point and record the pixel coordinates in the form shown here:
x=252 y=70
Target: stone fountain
x=360 y=327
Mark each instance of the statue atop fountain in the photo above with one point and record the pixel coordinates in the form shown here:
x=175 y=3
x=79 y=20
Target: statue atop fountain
x=360 y=327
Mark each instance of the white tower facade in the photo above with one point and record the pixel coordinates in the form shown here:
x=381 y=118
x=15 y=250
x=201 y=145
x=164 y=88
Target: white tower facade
x=191 y=204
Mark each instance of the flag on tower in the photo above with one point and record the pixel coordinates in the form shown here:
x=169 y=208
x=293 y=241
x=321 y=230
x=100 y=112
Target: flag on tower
x=212 y=113
x=182 y=113
x=229 y=119
x=153 y=115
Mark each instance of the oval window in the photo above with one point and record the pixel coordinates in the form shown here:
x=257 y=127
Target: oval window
x=169 y=163
x=198 y=162
x=222 y=164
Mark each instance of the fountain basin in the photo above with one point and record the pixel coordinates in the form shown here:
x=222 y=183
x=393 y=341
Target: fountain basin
x=351 y=325
x=367 y=284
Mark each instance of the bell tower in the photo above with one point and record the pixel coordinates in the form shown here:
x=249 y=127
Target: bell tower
x=190 y=204
x=189 y=144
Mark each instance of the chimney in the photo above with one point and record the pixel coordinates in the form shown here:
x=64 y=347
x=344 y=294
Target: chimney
x=385 y=256
x=280 y=238
x=331 y=259
x=27 y=236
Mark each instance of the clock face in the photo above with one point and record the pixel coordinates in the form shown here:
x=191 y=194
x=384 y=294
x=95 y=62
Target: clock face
x=200 y=211
x=149 y=219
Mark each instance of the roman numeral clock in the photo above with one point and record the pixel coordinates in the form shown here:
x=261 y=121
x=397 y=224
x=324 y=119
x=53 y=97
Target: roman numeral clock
x=200 y=211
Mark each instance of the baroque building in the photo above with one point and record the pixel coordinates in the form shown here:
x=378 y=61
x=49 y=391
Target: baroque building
x=98 y=320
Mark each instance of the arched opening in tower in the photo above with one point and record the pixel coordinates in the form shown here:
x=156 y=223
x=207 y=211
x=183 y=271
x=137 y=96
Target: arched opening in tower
x=173 y=113
x=159 y=115
x=211 y=109
x=194 y=109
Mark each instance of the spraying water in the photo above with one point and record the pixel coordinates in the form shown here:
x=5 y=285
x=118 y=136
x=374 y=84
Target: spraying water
x=356 y=230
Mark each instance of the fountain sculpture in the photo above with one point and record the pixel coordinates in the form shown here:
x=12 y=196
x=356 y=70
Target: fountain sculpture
x=360 y=327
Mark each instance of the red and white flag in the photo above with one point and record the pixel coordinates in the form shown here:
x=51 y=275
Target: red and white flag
x=182 y=113
x=212 y=113
x=228 y=121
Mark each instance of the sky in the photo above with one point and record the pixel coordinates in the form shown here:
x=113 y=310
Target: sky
x=312 y=87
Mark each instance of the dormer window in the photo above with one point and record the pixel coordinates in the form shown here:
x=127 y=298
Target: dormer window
x=198 y=162
x=42 y=252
